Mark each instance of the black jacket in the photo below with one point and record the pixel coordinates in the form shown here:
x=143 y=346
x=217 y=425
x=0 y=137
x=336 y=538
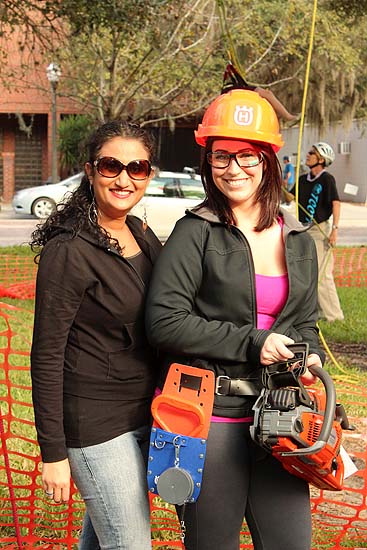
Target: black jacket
x=202 y=303
x=93 y=372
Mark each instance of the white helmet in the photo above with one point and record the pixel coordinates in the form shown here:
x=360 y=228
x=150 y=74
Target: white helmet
x=325 y=151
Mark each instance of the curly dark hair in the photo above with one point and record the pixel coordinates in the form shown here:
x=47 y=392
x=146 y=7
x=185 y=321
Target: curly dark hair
x=74 y=212
x=268 y=193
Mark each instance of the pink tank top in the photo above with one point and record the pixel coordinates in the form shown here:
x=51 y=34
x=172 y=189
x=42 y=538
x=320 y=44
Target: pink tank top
x=271 y=296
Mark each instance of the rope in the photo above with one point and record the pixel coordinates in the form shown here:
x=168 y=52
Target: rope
x=302 y=121
x=231 y=51
x=301 y=207
x=233 y=58
x=345 y=376
x=300 y=137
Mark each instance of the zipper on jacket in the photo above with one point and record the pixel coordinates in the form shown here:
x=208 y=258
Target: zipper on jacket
x=112 y=251
x=252 y=272
x=279 y=318
x=288 y=228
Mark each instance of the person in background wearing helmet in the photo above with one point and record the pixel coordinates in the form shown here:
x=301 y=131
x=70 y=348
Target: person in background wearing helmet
x=319 y=202
x=234 y=285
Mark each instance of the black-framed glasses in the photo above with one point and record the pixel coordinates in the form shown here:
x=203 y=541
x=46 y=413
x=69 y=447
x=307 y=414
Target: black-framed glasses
x=109 y=167
x=247 y=158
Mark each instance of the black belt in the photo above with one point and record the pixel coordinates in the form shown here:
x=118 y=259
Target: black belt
x=235 y=386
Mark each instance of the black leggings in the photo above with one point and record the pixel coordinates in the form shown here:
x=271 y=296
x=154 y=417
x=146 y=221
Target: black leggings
x=241 y=480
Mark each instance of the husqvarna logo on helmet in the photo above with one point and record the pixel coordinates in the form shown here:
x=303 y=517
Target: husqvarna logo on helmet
x=243 y=115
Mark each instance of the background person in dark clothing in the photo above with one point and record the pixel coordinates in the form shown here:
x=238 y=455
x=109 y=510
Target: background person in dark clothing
x=319 y=202
x=93 y=372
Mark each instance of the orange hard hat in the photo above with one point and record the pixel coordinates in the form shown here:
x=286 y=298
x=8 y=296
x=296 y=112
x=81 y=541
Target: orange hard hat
x=240 y=114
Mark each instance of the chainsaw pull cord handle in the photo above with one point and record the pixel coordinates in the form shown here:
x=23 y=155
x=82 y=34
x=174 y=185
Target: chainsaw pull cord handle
x=328 y=414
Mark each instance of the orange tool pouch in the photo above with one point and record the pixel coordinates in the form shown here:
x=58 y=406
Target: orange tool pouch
x=181 y=420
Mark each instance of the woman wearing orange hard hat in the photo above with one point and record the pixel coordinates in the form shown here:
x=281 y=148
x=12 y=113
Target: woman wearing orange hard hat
x=235 y=285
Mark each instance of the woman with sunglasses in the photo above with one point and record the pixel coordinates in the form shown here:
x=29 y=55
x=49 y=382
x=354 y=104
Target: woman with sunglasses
x=93 y=372
x=234 y=286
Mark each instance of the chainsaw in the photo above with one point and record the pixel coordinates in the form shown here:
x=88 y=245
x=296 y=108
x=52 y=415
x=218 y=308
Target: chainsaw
x=301 y=427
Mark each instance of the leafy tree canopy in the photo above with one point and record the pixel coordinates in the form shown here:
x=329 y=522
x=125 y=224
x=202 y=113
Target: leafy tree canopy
x=151 y=60
x=272 y=43
x=349 y=8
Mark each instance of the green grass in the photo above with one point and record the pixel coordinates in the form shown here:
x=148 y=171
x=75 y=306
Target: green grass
x=352 y=330
x=354 y=327
x=23 y=250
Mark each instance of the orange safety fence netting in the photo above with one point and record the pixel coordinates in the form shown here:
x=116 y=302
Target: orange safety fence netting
x=350 y=267
x=18 y=273
x=27 y=520
x=17 y=276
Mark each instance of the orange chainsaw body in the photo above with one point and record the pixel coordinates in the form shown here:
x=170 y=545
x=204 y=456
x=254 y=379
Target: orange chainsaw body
x=323 y=469
x=302 y=427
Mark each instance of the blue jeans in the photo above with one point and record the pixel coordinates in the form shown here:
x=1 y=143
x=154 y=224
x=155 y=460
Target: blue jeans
x=111 y=478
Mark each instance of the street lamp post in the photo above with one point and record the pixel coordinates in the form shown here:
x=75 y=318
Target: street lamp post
x=53 y=74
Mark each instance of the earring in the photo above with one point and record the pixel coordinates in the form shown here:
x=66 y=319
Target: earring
x=145 y=220
x=93 y=213
x=92 y=210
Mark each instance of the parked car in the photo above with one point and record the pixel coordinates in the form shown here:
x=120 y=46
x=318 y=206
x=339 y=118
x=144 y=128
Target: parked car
x=42 y=199
x=167 y=197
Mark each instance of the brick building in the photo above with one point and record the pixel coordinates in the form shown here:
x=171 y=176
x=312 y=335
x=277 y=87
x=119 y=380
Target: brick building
x=26 y=124
x=26 y=130
x=25 y=156
x=26 y=115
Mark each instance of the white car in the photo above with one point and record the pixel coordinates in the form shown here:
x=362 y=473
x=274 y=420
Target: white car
x=41 y=201
x=167 y=197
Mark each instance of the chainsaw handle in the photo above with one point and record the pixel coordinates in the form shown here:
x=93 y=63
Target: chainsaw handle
x=328 y=414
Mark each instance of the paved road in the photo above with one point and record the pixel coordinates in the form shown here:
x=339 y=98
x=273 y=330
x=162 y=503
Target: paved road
x=16 y=231
x=352 y=228
x=352 y=236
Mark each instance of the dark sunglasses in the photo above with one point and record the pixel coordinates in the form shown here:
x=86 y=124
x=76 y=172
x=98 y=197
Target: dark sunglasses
x=109 y=167
x=312 y=153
